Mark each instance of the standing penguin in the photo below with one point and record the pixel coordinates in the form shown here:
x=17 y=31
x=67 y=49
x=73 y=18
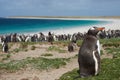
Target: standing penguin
x=50 y=38
x=71 y=47
x=5 y=46
x=89 y=54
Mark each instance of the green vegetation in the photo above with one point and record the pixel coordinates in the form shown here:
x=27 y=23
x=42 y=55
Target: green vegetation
x=33 y=47
x=10 y=44
x=0 y=47
x=79 y=42
x=109 y=67
x=5 y=56
x=112 y=46
x=16 y=50
x=101 y=52
x=23 y=45
x=47 y=54
x=61 y=43
x=114 y=42
x=36 y=63
x=109 y=71
x=55 y=48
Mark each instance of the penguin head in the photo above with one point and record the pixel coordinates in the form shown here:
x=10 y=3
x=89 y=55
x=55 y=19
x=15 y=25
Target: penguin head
x=94 y=30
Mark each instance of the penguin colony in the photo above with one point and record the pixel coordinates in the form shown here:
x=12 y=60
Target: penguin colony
x=89 y=54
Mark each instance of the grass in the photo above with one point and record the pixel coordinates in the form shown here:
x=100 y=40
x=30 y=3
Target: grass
x=33 y=47
x=79 y=42
x=47 y=54
x=109 y=67
x=101 y=52
x=24 y=45
x=113 y=42
x=5 y=56
x=112 y=50
x=55 y=48
x=0 y=47
x=61 y=43
x=109 y=71
x=16 y=50
x=36 y=63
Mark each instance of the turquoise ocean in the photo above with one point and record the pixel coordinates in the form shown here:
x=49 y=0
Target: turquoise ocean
x=21 y=26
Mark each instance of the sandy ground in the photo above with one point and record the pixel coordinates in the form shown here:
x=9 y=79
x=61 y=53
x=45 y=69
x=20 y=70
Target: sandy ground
x=31 y=74
x=52 y=74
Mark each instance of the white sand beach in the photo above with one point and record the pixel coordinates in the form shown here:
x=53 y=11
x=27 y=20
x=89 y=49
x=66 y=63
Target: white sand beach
x=114 y=24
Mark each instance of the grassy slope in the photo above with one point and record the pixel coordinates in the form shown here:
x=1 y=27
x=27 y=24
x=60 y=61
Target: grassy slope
x=110 y=68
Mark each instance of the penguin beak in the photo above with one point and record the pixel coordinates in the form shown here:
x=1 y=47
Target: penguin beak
x=101 y=28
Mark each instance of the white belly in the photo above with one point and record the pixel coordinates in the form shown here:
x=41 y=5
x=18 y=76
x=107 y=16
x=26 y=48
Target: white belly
x=98 y=45
x=3 y=48
x=96 y=63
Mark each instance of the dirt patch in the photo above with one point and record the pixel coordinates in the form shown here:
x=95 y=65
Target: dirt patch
x=32 y=74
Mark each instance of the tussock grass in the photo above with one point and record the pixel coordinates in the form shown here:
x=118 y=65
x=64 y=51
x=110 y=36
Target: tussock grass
x=55 y=48
x=47 y=54
x=33 y=47
x=61 y=43
x=16 y=50
x=5 y=56
x=113 y=42
x=36 y=63
x=24 y=45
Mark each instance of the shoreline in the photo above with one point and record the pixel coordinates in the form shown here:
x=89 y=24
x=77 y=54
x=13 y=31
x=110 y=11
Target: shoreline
x=113 y=25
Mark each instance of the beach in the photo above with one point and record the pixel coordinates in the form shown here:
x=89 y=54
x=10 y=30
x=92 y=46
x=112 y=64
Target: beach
x=35 y=25
x=113 y=24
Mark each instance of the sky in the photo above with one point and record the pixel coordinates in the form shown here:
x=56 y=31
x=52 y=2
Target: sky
x=59 y=8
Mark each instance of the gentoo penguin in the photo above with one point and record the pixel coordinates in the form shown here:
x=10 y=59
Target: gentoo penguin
x=89 y=54
x=71 y=47
x=5 y=46
x=50 y=38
